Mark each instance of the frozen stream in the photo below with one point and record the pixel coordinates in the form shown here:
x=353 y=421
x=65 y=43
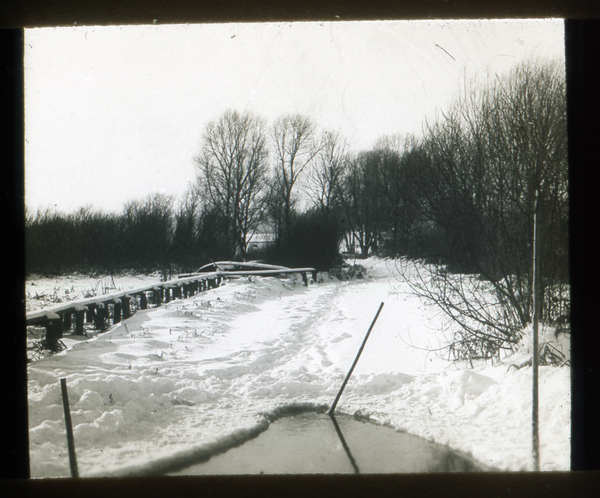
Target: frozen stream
x=309 y=443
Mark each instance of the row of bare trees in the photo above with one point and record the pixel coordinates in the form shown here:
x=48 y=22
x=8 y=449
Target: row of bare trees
x=254 y=177
x=463 y=196
x=496 y=160
x=139 y=237
x=249 y=178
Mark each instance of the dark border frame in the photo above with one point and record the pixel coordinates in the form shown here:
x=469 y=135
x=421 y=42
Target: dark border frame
x=583 y=80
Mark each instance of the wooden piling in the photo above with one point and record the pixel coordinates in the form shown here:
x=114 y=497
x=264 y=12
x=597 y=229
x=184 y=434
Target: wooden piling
x=90 y=313
x=79 y=320
x=100 y=316
x=126 y=307
x=117 y=308
x=143 y=301
x=156 y=295
x=66 y=319
x=53 y=331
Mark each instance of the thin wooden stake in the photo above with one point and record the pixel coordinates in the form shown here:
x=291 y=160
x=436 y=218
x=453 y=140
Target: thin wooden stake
x=337 y=398
x=535 y=421
x=70 y=439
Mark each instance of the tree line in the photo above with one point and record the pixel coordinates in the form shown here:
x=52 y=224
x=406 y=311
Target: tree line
x=462 y=195
x=496 y=161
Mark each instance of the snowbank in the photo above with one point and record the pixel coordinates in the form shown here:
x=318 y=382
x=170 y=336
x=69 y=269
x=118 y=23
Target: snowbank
x=199 y=375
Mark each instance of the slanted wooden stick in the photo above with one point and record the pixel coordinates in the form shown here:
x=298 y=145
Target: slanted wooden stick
x=337 y=398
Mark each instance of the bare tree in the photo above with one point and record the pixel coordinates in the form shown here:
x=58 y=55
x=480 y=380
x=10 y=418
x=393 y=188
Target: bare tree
x=293 y=138
x=398 y=157
x=185 y=234
x=232 y=173
x=324 y=182
x=362 y=205
x=146 y=227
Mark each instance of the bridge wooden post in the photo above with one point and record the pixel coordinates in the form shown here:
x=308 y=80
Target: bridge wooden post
x=90 y=314
x=156 y=295
x=100 y=316
x=79 y=319
x=126 y=306
x=167 y=294
x=143 y=301
x=117 y=311
x=53 y=331
x=66 y=320
x=304 y=278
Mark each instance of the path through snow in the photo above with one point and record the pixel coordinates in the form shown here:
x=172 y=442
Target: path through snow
x=201 y=373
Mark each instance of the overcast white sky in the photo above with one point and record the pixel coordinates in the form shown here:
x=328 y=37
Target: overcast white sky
x=116 y=113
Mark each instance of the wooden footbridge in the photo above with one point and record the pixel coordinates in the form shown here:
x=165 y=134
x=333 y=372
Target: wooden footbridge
x=117 y=306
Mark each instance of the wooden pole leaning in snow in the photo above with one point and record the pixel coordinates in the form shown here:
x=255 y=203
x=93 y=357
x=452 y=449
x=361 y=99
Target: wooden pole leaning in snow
x=535 y=434
x=337 y=398
x=70 y=440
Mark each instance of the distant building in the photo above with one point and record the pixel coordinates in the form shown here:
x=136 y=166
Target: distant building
x=260 y=240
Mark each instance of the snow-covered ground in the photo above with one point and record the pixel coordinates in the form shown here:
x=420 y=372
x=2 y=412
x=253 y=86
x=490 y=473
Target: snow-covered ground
x=198 y=374
x=41 y=293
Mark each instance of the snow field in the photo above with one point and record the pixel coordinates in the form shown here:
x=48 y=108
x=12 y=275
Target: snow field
x=199 y=375
x=43 y=292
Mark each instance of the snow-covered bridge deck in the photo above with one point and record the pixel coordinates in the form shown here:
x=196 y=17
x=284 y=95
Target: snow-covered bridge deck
x=59 y=317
